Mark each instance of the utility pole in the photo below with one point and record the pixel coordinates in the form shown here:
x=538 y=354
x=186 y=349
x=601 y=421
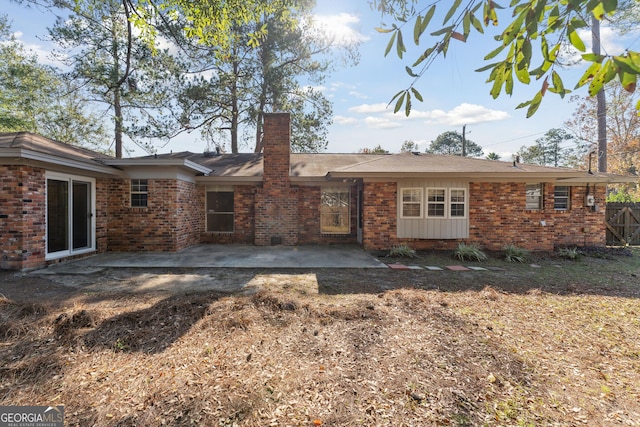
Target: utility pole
x=464 y=141
x=601 y=102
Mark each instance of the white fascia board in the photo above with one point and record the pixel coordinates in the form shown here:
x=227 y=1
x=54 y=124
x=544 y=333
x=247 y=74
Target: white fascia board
x=60 y=161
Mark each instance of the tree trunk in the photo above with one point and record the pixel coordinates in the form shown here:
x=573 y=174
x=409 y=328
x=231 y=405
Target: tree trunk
x=602 y=103
x=234 y=109
x=117 y=107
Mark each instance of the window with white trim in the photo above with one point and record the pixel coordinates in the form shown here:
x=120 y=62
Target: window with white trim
x=139 y=193
x=411 y=202
x=534 y=197
x=335 y=210
x=457 y=202
x=220 y=212
x=436 y=202
x=561 y=197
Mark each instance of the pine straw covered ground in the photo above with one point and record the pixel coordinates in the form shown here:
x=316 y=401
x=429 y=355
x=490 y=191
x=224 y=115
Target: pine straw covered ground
x=288 y=355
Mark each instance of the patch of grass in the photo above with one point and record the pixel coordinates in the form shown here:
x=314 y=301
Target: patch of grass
x=469 y=252
x=569 y=253
x=402 y=251
x=513 y=253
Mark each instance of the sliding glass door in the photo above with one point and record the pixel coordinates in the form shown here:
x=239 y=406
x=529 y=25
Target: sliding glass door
x=70 y=220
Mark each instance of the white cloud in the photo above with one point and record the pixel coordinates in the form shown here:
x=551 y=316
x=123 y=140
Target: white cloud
x=461 y=115
x=343 y=120
x=356 y=94
x=339 y=28
x=369 y=108
x=43 y=55
x=380 y=123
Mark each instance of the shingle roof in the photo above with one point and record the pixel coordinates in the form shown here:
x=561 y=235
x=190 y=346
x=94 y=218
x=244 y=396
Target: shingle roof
x=303 y=165
x=319 y=165
x=249 y=166
x=40 y=144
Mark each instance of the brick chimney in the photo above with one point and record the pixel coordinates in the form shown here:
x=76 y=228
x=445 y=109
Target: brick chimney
x=277 y=150
x=276 y=209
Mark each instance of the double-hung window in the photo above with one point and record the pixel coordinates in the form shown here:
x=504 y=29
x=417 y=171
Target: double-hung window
x=411 y=203
x=457 y=202
x=561 y=197
x=534 y=197
x=436 y=202
x=335 y=211
x=139 y=193
x=220 y=213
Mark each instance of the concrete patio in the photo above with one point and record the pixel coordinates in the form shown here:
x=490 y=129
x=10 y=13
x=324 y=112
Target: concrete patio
x=234 y=256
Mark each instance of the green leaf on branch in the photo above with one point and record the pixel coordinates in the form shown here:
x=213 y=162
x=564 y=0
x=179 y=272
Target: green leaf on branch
x=475 y=22
x=589 y=74
x=628 y=81
x=535 y=104
x=443 y=30
x=410 y=72
x=390 y=44
x=494 y=52
x=451 y=11
x=416 y=94
x=605 y=74
x=592 y=57
x=575 y=39
x=400 y=48
x=399 y=101
x=424 y=56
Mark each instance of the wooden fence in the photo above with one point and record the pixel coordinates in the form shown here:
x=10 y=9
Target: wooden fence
x=623 y=224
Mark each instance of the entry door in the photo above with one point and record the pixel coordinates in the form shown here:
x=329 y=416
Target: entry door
x=70 y=224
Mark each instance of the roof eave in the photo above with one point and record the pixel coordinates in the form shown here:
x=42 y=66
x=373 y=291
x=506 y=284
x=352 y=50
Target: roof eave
x=159 y=163
x=92 y=165
x=579 y=177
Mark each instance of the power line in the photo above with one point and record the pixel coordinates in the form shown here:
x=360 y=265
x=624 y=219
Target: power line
x=514 y=139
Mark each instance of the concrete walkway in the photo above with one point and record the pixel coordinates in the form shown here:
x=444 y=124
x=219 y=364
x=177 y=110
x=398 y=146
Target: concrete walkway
x=236 y=256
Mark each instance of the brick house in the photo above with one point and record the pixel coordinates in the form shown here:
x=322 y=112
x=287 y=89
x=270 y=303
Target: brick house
x=60 y=202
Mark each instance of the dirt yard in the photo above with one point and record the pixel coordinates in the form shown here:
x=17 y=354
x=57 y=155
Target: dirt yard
x=549 y=342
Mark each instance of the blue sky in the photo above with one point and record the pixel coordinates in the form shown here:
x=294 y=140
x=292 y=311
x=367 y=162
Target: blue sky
x=454 y=95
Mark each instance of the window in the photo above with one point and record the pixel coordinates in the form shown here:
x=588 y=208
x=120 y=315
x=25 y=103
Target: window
x=534 y=197
x=457 y=201
x=220 y=211
x=411 y=203
x=561 y=197
x=139 y=193
x=436 y=202
x=335 y=211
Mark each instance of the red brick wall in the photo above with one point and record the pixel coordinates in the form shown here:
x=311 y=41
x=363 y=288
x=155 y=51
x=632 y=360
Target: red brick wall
x=188 y=216
x=380 y=213
x=163 y=226
x=102 y=200
x=497 y=216
x=582 y=226
x=22 y=217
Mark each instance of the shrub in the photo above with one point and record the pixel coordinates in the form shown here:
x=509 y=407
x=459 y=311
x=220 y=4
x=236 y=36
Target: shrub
x=402 y=251
x=569 y=253
x=513 y=253
x=469 y=252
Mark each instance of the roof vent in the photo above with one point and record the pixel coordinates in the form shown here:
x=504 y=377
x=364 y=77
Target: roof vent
x=415 y=153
